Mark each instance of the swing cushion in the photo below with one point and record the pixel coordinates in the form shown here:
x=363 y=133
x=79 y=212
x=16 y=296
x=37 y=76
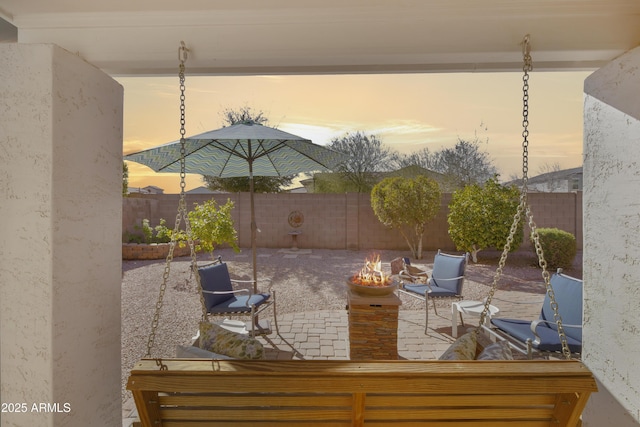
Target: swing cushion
x=568 y=294
x=216 y=339
x=496 y=351
x=464 y=348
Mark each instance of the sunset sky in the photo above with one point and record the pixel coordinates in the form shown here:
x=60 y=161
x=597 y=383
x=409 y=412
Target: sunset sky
x=407 y=111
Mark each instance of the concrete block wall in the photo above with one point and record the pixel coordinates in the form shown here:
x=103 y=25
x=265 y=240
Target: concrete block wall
x=340 y=221
x=557 y=210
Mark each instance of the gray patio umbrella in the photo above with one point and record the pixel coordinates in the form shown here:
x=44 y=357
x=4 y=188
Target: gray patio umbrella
x=242 y=149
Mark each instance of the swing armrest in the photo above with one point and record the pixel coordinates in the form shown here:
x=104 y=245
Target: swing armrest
x=535 y=323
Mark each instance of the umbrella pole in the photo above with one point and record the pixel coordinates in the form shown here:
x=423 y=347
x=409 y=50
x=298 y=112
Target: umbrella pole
x=253 y=230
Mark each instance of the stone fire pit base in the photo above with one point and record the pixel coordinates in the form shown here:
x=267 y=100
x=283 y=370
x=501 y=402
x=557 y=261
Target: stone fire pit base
x=373 y=326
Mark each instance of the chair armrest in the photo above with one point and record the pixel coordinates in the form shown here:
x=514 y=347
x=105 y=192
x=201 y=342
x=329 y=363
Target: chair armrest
x=448 y=278
x=234 y=281
x=237 y=291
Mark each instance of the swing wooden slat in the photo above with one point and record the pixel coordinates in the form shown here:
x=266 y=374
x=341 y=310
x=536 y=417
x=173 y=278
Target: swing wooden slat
x=359 y=393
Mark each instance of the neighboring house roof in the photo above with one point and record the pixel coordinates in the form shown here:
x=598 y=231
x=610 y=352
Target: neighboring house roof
x=202 y=190
x=149 y=189
x=553 y=177
x=302 y=189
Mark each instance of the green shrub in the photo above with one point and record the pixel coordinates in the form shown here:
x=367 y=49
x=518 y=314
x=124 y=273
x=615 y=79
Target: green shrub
x=145 y=233
x=559 y=247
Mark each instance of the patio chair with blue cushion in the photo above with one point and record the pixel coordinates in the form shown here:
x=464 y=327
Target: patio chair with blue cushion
x=541 y=335
x=221 y=299
x=446 y=281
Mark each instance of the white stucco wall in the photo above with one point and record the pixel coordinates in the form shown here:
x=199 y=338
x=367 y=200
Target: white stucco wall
x=60 y=219
x=612 y=242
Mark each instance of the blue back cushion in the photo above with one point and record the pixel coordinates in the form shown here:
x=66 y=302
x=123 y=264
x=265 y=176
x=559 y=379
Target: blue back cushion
x=568 y=294
x=215 y=278
x=448 y=267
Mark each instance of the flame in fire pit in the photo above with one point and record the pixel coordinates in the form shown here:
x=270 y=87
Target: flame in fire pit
x=371 y=274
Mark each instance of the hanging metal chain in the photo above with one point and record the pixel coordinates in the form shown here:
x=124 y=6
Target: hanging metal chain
x=524 y=208
x=182 y=210
x=182 y=205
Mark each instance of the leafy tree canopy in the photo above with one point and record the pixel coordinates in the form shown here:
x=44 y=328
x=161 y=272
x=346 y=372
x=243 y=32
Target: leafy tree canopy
x=480 y=217
x=406 y=204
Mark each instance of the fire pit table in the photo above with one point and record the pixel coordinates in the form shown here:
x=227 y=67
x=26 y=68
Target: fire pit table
x=373 y=315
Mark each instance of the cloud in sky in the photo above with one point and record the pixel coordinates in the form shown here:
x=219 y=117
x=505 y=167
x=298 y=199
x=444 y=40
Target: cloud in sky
x=408 y=111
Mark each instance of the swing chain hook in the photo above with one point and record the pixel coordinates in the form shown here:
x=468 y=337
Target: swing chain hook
x=183 y=53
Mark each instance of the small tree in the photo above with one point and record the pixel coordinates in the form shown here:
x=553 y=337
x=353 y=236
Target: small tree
x=125 y=179
x=212 y=225
x=480 y=217
x=407 y=204
x=466 y=163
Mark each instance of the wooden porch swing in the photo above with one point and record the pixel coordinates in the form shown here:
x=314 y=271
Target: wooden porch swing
x=522 y=393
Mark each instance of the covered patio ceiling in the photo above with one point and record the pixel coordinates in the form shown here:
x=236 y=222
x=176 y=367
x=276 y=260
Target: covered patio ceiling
x=141 y=37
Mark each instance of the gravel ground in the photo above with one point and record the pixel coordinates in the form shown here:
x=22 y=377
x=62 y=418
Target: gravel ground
x=306 y=283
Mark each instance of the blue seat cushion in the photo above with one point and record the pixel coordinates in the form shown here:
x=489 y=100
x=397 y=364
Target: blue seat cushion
x=549 y=339
x=215 y=278
x=445 y=269
x=434 y=293
x=239 y=304
x=417 y=289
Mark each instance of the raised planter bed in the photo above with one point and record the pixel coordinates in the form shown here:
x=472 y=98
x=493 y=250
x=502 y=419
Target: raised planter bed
x=132 y=251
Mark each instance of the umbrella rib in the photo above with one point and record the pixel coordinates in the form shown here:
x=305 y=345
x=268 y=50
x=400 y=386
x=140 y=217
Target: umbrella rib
x=230 y=151
x=267 y=153
x=315 y=160
x=179 y=158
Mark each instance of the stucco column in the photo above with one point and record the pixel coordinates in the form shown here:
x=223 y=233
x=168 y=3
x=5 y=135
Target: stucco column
x=60 y=222
x=611 y=245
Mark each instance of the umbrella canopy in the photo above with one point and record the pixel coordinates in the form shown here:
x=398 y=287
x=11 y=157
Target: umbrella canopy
x=239 y=149
x=242 y=149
